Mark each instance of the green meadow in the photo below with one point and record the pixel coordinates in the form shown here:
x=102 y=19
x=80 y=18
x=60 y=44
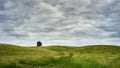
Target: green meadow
x=94 y=56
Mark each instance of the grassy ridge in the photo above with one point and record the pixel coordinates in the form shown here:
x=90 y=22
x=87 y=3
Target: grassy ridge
x=59 y=57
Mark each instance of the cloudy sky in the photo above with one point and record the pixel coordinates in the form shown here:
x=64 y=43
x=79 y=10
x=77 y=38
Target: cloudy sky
x=60 y=22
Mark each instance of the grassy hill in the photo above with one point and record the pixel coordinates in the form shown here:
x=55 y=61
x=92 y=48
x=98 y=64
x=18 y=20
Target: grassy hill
x=97 y=56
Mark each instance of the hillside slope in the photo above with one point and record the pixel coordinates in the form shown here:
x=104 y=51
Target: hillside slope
x=97 y=56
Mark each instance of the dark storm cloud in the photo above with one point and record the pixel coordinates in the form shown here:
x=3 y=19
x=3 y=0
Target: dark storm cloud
x=1 y=5
x=60 y=22
x=18 y=35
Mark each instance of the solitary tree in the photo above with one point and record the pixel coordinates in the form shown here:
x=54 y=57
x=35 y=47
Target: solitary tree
x=39 y=43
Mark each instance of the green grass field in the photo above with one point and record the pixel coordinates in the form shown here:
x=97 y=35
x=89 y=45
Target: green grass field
x=97 y=56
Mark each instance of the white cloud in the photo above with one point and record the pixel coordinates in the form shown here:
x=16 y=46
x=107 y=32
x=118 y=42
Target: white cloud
x=60 y=22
